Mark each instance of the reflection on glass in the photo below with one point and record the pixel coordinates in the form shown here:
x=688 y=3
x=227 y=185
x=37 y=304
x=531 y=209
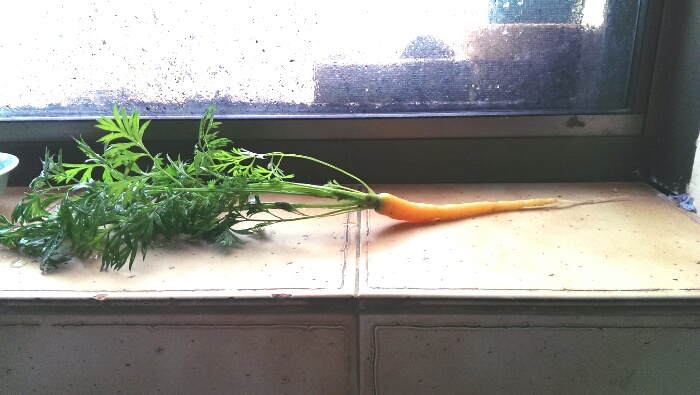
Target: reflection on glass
x=313 y=57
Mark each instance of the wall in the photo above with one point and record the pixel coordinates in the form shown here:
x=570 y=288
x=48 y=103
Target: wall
x=694 y=186
x=673 y=118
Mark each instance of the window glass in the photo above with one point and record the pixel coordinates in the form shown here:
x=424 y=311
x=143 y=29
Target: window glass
x=78 y=58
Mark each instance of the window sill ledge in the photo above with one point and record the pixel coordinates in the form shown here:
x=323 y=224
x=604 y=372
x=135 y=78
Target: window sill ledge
x=643 y=247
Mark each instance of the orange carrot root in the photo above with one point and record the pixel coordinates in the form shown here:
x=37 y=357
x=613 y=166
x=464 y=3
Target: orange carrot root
x=404 y=210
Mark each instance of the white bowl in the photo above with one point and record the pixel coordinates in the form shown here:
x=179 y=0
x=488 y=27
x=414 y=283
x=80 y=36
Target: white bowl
x=7 y=163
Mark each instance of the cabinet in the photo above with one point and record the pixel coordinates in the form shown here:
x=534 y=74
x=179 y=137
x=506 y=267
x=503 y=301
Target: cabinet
x=597 y=298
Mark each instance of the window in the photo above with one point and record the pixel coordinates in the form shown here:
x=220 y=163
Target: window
x=312 y=58
x=482 y=90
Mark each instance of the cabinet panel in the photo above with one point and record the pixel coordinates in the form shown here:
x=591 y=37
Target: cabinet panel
x=257 y=356
x=408 y=359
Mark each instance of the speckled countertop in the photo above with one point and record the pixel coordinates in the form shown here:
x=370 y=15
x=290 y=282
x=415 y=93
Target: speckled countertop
x=644 y=246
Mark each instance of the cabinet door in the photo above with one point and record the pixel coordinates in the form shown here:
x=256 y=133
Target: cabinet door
x=468 y=358
x=227 y=354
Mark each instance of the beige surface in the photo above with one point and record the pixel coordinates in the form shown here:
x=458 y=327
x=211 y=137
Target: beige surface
x=304 y=258
x=644 y=246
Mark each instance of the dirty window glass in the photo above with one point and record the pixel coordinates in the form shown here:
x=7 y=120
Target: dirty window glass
x=78 y=58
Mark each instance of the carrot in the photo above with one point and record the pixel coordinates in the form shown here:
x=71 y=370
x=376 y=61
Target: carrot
x=116 y=207
x=404 y=210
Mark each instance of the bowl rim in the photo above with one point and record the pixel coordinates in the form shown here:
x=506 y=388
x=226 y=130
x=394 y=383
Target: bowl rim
x=14 y=161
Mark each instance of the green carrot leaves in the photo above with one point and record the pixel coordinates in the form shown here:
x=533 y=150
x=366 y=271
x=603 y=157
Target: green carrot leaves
x=119 y=202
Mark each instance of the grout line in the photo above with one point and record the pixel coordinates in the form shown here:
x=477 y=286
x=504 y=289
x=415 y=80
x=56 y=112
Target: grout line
x=357 y=316
x=358 y=253
x=346 y=243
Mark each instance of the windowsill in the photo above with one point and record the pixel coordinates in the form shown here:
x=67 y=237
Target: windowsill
x=643 y=247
